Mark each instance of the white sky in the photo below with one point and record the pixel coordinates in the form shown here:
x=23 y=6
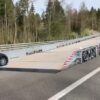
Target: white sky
x=41 y=4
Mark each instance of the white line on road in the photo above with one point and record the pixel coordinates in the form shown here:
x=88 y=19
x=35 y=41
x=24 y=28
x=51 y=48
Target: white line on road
x=71 y=87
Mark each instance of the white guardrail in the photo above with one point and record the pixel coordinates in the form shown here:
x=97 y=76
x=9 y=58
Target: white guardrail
x=11 y=51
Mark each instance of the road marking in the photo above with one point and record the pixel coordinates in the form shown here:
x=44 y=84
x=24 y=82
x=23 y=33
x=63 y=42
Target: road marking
x=71 y=87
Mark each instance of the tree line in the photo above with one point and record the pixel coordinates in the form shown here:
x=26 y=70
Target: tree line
x=20 y=23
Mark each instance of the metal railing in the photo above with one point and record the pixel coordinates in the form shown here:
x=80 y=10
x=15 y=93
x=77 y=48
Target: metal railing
x=8 y=47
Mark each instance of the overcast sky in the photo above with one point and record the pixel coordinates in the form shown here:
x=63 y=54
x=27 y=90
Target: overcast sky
x=41 y=4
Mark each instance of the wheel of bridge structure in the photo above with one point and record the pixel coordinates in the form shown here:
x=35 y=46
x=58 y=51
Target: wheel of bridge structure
x=85 y=56
x=78 y=61
x=99 y=49
x=3 y=60
x=93 y=53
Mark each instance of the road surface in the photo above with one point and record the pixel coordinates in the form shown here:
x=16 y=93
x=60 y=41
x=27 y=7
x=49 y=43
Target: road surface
x=79 y=82
x=20 y=85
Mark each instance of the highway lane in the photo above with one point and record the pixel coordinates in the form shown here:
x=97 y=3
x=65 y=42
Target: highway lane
x=89 y=90
x=19 y=85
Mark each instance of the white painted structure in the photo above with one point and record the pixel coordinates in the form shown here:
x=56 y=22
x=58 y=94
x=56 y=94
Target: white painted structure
x=54 y=59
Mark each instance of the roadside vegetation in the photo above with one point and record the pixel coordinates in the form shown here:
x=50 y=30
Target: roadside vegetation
x=20 y=23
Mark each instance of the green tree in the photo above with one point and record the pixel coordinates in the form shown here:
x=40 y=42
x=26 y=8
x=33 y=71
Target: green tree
x=54 y=19
x=32 y=23
x=98 y=19
x=7 y=19
x=83 y=14
x=24 y=6
x=93 y=18
x=68 y=20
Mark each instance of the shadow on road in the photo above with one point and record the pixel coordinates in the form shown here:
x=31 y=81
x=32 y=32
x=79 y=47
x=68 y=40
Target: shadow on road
x=30 y=70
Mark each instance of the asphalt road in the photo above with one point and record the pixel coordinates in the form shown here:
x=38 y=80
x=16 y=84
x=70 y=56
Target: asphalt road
x=20 y=85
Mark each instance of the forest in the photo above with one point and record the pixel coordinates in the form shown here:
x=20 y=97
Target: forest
x=20 y=23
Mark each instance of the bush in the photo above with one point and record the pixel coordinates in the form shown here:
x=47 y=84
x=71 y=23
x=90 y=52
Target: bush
x=86 y=32
x=73 y=35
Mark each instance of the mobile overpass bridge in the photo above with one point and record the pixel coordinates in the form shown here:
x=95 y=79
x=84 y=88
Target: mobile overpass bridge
x=49 y=56
x=26 y=75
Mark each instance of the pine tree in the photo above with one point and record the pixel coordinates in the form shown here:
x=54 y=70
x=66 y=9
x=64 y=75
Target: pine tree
x=54 y=19
x=93 y=18
x=7 y=19
x=32 y=23
x=83 y=14
x=24 y=6
x=98 y=19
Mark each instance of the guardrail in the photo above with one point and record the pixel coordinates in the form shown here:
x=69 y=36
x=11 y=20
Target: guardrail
x=8 y=47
